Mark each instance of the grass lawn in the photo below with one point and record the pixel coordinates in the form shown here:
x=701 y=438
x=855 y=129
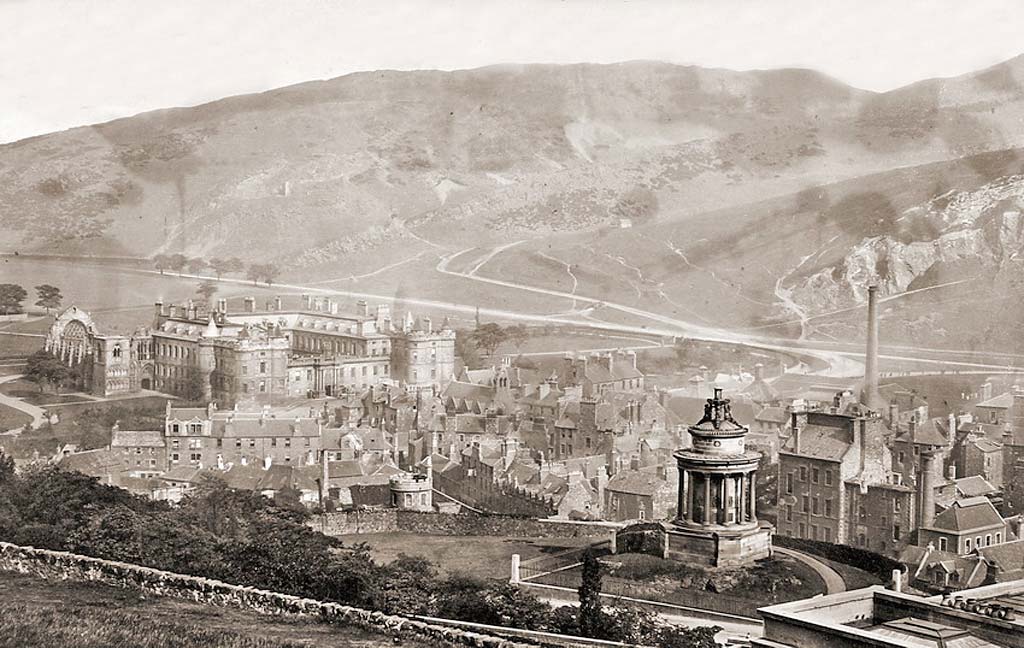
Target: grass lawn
x=483 y=556
x=11 y=418
x=774 y=580
x=29 y=392
x=45 y=614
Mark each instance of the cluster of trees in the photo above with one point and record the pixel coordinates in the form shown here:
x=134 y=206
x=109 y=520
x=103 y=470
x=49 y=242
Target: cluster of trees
x=244 y=538
x=266 y=272
x=11 y=296
x=485 y=340
x=47 y=370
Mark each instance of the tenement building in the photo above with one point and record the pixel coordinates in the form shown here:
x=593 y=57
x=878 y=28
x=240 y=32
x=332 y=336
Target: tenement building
x=235 y=353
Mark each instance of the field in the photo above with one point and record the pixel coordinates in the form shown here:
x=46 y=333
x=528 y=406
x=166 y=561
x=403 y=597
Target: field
x=485 y=557
x=11 y=418
x=36 y=613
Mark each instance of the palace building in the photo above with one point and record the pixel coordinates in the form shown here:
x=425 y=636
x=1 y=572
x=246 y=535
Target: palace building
x=231 y=354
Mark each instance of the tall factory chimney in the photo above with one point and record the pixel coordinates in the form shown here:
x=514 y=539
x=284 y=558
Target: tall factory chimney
x=869 y=395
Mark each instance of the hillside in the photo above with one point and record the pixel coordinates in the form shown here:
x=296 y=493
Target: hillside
x=783 y=188
x=38 y=613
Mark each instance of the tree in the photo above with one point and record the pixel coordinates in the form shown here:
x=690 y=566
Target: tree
x=177 y=262
x=488 y=337
x=11 y=296
x=466 y=349
x=195 y=265
x=234 y=264
x=49 y=296
x=590 y=621
x=195 y=387
x=517 y=334
x=270 y=273
x=43 y=368
x=161 y=262
x=206 y=290
x=254 y=273
x=219 y=267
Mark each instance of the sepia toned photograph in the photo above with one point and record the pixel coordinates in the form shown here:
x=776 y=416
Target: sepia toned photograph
x=521 y=324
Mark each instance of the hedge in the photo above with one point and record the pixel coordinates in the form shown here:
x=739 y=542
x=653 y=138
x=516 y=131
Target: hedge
x=869 y=561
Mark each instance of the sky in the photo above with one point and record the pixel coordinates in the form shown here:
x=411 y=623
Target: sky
x=66 y=63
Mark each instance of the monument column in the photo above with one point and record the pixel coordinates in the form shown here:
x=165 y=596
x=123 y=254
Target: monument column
x=729 y=499
x=752 y=479
x=708 y=482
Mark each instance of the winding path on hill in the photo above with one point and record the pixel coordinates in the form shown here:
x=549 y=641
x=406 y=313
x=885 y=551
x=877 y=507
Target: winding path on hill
x=37 y=413
x=834 y=583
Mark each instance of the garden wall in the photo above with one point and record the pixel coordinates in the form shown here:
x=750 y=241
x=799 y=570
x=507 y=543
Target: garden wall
x=61 y=565
x=454 y=524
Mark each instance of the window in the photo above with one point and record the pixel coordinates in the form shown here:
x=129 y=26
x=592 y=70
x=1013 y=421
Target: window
x=999 y=537
x=789 y=513
x=273 y=442
x=896 y=504
x=861 y=513
x=307 y=441
x=789 y=483
x=814 y=507
x=988 y=540
x=263 y=387
x=174 y=443
x=238 y=442
x=814 y=532
x=977 y=542
x=195 y=457
x=903 y=457
x=803 y=531
x=828 y=508
x=815 y=476
x=194 y=444
x=803 y=473
x=220 y=443
x=287 y=443
x=968 y=545
x=826 y=534
x=828 y=477
x=806 y=503
x=943 y=543
x=896 y=532
x=263 y=367
x=174 y=457
x=252 y=443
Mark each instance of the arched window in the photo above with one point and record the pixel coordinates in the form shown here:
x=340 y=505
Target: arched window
x=117 y=351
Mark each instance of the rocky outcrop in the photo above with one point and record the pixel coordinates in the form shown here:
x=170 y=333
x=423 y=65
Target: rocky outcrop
x=984 y=227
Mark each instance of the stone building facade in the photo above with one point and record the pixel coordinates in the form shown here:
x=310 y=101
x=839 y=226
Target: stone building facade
x=238 y=353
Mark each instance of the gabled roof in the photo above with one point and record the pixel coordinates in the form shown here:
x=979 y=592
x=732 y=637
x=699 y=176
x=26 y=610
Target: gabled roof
x=820 y=442
x=136 y=439
x=95 y=463
x=973 y=486
x=1008 y=556
x=760 y=392
x=985 y=445
x=968 y=514
x=280 y=476
x=925 y=433
x=772 y=415
x=636 y=482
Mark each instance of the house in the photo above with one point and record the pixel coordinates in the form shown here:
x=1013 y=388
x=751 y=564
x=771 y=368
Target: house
x=968 y=525
x=143 y=452
x=639 y=495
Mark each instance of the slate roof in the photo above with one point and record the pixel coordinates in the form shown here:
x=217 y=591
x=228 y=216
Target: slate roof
x=968 y=514
x=281 y=476
x=973 y=486
x=1008 y=556
x=136 y=439
x=635 y=482
x=95 y=463
x=772 y=415
x=820 y=442
x=760 y=391
x=985 y=445
x=1002 y=401
x=925 y=433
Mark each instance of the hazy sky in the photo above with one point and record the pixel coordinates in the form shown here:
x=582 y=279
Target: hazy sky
x=72 y=62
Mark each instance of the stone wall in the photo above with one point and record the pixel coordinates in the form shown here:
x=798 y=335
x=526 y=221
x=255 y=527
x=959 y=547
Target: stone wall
x=67 y=566
x=470 y=524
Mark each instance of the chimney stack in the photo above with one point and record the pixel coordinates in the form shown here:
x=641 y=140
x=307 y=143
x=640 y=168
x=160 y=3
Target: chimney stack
x=277 y=303
x=869 y=395
x=927 y=487
x=363 y=308
x=986 y=391
x=250 y=304
x=758 y=371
